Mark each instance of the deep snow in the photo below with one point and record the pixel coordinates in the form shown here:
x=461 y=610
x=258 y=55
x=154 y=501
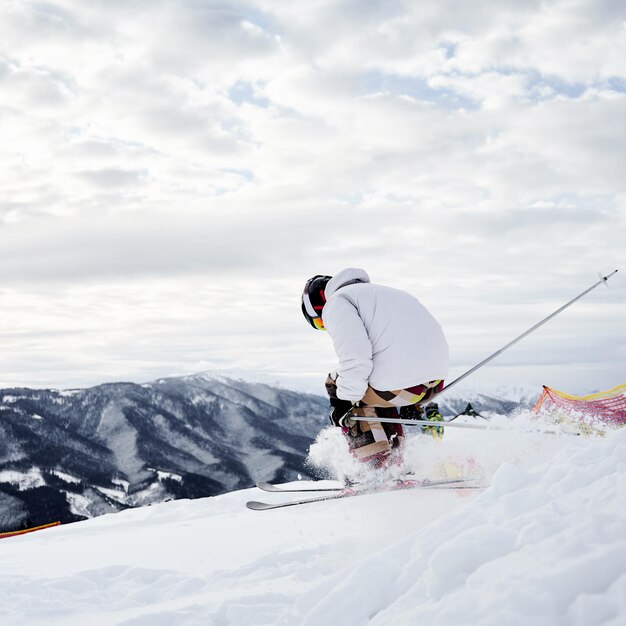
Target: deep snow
x=544 y=544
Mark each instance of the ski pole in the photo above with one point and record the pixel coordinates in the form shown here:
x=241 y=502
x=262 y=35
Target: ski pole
x=604 y=279
x=444 y=424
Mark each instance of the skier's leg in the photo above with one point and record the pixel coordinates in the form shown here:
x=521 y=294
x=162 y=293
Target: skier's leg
x=367 y=440
x=371 y=447
x=372 y=441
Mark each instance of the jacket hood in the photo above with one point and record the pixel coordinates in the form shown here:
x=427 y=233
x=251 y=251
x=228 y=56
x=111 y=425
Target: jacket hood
x=349 y=275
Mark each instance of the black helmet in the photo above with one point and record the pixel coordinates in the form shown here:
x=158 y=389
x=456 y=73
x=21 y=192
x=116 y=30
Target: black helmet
x=314 y=299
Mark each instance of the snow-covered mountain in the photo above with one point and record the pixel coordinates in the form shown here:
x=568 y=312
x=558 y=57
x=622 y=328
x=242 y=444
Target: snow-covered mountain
x=544 y=544
x=68 y=455
x=503 y=400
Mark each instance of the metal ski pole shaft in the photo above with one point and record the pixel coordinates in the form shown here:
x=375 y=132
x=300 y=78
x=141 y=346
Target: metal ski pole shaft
x=604 y=279
x=444 y=424
x=410 y=422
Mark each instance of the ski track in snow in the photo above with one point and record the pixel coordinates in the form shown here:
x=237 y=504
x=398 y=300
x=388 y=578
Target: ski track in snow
x=544 y=545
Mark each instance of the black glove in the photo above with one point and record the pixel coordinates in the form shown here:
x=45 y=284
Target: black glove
x=339 y=412
x=412 y=412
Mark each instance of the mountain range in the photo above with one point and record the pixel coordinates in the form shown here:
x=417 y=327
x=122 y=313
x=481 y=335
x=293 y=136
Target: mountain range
x=71 y=455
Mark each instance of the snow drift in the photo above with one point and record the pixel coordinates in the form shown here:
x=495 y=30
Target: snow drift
x=544 y=544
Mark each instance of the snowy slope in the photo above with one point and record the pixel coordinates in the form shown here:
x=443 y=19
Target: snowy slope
x=545 y=544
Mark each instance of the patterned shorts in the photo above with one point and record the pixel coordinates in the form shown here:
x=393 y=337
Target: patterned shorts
x=374 y=398
x=373 y=441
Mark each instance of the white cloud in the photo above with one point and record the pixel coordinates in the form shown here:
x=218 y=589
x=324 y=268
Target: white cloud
x=472 y=153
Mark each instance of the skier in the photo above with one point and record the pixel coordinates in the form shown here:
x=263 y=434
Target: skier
x=392 y=354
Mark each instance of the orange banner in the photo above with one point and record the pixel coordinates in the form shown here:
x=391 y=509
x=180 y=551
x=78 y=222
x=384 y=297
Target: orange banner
x=15 y=533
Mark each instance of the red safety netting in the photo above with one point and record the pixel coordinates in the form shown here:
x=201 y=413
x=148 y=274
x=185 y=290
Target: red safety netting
x=608 y=407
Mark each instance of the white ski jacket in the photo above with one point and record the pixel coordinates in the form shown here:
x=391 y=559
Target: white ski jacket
x=383 y=337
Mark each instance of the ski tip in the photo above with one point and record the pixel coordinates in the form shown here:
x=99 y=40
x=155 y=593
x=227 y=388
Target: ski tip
x=253 y=505
x=266 y=486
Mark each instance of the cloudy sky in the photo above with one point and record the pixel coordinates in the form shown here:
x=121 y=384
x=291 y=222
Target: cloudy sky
x=171 y=172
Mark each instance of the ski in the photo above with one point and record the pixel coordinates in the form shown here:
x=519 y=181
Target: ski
x=255 y=505
x=263 y=486
x=271 y=488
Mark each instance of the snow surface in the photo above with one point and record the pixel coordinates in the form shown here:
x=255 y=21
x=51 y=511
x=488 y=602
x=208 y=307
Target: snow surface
x=544 y=544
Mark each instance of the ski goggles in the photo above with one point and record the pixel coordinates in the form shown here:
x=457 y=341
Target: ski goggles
x=318 y=323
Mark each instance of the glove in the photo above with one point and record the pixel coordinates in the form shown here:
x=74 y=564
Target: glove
x=339 y=413
x=412 y=412
x=433 y=414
